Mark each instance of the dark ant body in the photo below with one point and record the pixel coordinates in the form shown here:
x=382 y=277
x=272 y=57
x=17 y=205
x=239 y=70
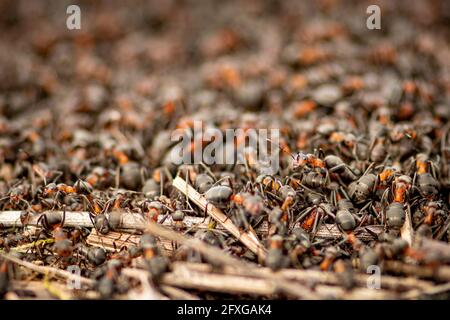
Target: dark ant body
x=367 y=257
x=203 y=182
x=276 y=258
x=313 y=215
x=344 y=271
x=107 y=285
x=17 y=198
x=395 y=215
x=96 y=256
x=4 y=277
x=219 y=195
x=345 y=220
x=156 y=264
x=315 y=180
x=299 y=244
x=178 y=217
x=278 y=220
x=53 y=222
x=362 y=189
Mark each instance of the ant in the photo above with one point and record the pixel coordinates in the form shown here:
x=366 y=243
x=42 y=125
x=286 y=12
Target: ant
x=53 y=222
x=17 y=195
x=424 y=182
x=276 y=258
x=156 y=263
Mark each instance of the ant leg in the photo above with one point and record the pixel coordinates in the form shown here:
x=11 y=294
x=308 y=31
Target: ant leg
x=58 y=175
x=333 y=198
x=352 y=170
x=164 y=218
x=355 y=152
x=26 y=202
x=327 y=178
x=205 y=212
x=278 y=182
x=433 y=167
x=88 y=201
x=143 y=174
x=375 y=213
x=39 y=220
x=386 y=160
x=416 y=188
x=257 y=222
x=340 y=180
x=368 y=168
x=338 y=167
x=363 y=219
x=357 y=218
x=320 y=153
x=366 y=206
x=410 y=166
x=261 y=189
x=161 y=183
x=274 y=196
x=44 y=222
x=309 y=189
x=93 y=222
x=328 y=212
x=369 y=149
x=117 y=178
x=444 y=229
x=244 y=220
x=416 y=200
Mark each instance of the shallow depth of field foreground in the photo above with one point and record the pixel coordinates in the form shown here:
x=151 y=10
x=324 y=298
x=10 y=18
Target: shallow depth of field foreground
x=345 y=195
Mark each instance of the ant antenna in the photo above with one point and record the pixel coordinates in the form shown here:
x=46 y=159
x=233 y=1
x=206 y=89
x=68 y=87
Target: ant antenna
x=282 y=149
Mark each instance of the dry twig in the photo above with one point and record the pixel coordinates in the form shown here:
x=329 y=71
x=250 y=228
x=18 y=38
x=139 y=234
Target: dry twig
x=249 y=238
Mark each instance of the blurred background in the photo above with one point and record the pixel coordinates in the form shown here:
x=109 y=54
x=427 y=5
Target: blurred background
x=148 y=67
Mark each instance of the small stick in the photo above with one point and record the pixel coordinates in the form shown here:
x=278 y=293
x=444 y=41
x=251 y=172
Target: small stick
x=114 y=241
x=414 y=294
x=72 y=219
x=219 y=282
x=134 y=221
x=177 y=293
x=221 y=258
x=213 y=253
x=320 y=277
x=36 y=287
x=27 y=246
x=249 y=239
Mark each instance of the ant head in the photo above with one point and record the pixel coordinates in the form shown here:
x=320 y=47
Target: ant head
x=300 y=159
x=51 y=186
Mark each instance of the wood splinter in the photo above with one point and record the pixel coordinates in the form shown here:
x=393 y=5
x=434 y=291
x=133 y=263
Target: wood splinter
x=249 y=239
